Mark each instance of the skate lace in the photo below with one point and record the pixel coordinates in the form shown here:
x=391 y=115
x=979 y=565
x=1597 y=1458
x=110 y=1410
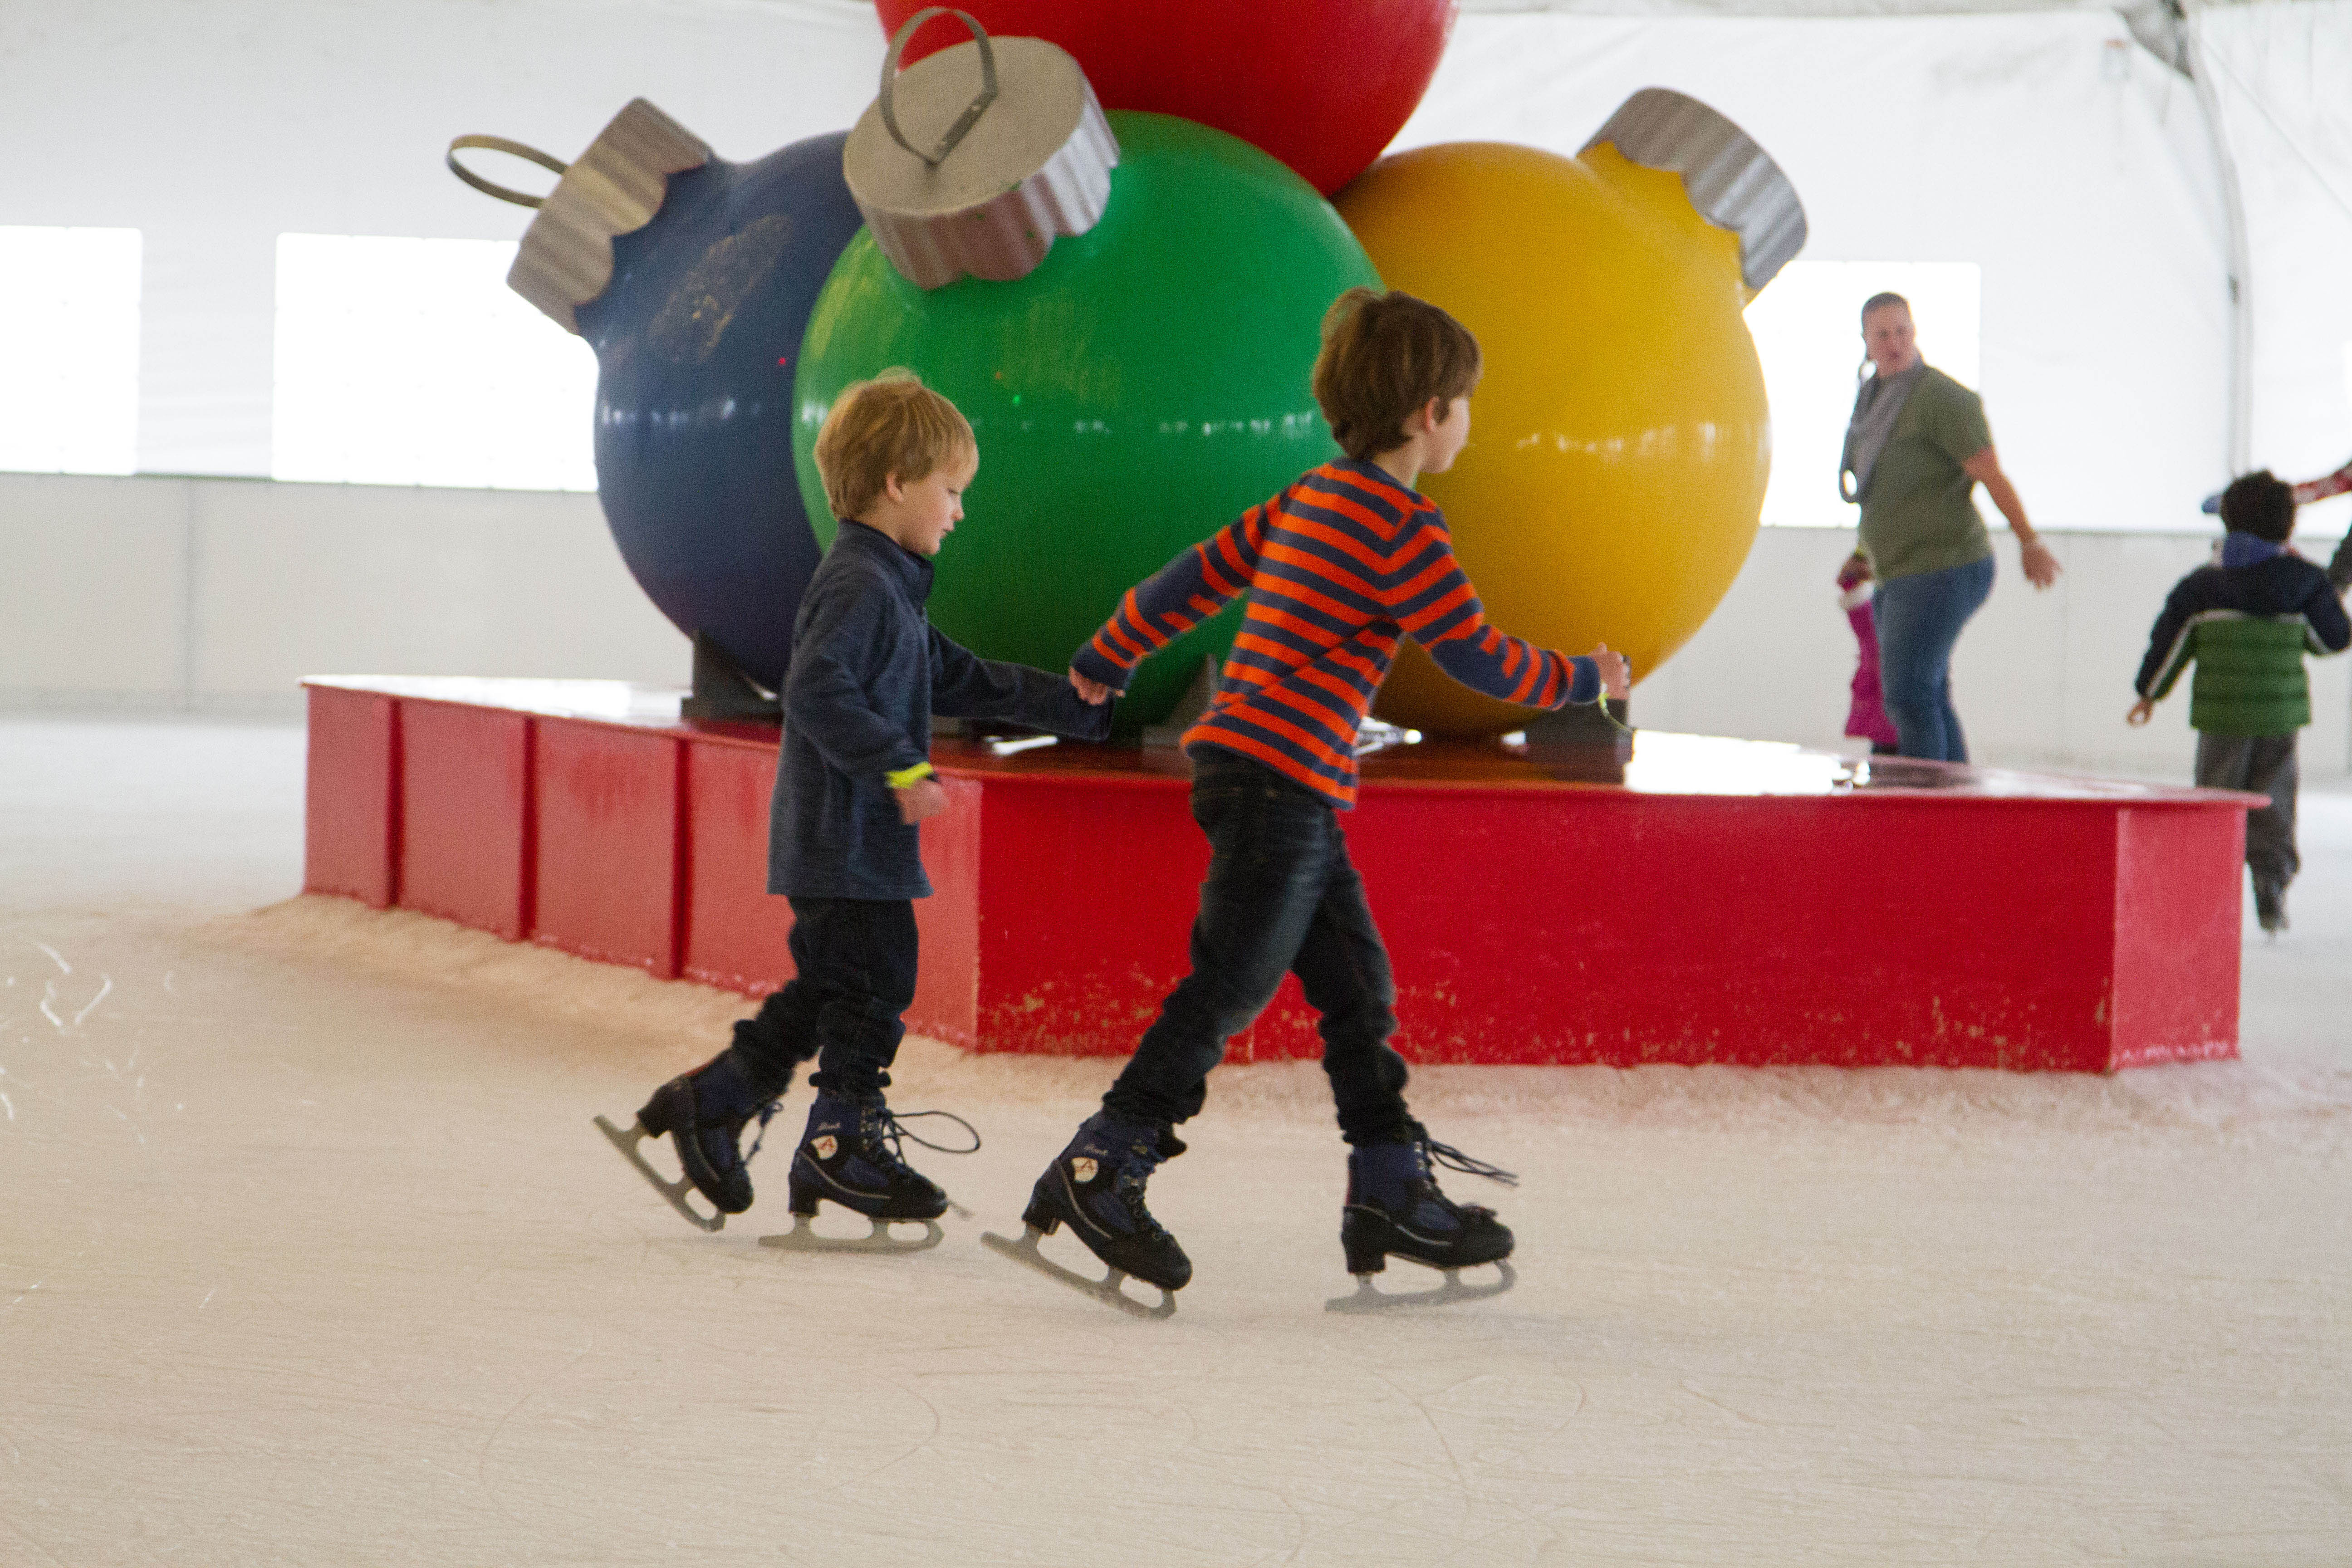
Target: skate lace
x=767 y=1114
x=1444 y=1154
x=1133 y=1172
x=884 y=1125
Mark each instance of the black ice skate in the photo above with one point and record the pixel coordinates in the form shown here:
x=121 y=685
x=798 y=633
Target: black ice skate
x=850 y=1155
x=1394 y=1209
x=2270 y=907
x=1096 y=1185
x=702 y=1113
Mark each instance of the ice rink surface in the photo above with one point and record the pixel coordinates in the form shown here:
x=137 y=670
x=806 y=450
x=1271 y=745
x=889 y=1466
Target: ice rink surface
x=309 y=1254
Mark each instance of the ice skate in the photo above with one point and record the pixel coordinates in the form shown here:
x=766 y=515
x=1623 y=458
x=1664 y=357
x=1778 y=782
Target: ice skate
x=850 y=1155
x=2270 y=907
x=1369 y=1297
x=702 y=1113
x=626 y=1141
x=1095 y=1187
x=1394 y=1209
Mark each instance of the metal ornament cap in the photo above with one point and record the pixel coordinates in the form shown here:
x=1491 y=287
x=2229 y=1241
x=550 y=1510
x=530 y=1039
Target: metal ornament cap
x=1006 y=177
x=1733 y=183
x=613 y=188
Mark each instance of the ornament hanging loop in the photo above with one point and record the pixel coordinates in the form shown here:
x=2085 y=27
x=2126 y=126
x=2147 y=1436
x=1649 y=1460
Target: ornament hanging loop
x=501 y=145
x=972 y=111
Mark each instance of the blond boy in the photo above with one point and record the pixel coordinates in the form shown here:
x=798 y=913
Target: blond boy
x=854 y=780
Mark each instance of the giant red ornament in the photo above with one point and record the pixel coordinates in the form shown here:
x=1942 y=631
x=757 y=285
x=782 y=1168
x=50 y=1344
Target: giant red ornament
x=1323 y=85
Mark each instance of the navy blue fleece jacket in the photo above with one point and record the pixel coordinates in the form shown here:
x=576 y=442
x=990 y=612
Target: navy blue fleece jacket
x=868 y=671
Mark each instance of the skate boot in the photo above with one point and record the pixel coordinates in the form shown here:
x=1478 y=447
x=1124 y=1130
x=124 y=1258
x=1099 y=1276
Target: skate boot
x=702 y=1113
x=1394 y=1209
x=2270 y=906
x=1095 y=1185
x=851 y=1155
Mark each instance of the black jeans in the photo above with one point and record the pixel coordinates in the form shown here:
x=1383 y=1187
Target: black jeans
x=853 y=962
x=1281 y=897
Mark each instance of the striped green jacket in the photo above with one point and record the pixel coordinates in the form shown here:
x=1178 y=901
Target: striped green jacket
x=2249 y=678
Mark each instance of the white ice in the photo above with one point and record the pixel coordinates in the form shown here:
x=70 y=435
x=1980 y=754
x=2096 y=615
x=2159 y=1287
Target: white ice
x=309 y=1255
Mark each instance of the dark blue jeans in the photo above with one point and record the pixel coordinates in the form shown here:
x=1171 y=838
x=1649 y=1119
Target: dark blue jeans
x=853 y=975
x=1919 y=622
x=1281 y=897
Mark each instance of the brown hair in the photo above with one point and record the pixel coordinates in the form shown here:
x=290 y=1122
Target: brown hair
x=2258 y=503
x=890 y=425
x=1881 y=302
x=1385 y=355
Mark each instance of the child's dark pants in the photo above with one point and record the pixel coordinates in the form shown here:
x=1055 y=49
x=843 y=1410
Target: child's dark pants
x=2266 y=764
x=1281 y=898
x=853 y=962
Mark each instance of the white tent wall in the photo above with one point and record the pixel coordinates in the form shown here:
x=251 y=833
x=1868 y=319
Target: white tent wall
x=214 y=126
x=2091 y=202
x=2283 y=75
x=2089 y=205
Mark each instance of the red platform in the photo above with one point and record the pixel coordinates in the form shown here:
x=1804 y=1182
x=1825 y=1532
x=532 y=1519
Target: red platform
x=1730 y=901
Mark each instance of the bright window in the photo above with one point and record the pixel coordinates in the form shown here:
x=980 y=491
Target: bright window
x=410 y=361
x=69 y=339
x=1808 y=329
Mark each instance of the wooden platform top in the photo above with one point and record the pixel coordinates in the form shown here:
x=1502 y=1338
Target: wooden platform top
x=1660 y=763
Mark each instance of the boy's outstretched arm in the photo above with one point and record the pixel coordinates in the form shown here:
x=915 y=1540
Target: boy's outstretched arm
x=1199 y=582
x=966 y=686
x=2324 y=616
x=1433 y=599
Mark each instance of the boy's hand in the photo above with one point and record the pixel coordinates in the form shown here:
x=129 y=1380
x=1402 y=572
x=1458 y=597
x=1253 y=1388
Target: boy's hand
x=2141 y=712
x=923 y=798
x=1093 y=691
x=1616 y=673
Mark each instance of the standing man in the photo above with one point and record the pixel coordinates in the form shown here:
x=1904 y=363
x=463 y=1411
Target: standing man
x=1915 y=452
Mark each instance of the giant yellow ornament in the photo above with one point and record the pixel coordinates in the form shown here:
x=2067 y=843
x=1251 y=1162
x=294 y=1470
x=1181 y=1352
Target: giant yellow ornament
x=1618 y=441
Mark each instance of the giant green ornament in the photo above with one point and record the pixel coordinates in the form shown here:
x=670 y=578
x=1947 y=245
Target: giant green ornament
x=1139 y=390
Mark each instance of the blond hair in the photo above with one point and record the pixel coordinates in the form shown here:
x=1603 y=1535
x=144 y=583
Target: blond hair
x=1385 y=355
x=890 y=425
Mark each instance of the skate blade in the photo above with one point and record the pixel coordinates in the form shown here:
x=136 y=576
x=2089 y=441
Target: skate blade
x=626 y=1141
x=1104 y=1290
x=1368 y=1299
x=803 y=1237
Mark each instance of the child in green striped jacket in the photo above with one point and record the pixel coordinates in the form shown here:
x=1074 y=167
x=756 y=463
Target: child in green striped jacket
x=2246 y=622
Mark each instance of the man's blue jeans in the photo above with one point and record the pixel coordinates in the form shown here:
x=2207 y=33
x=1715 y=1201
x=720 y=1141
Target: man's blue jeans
x=1919 y=622
x=1281 y=897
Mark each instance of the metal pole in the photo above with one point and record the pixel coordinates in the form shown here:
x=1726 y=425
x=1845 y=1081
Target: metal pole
x=2233 y=210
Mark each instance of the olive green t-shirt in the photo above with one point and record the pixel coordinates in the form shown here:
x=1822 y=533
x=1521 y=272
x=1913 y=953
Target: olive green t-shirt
x=1916 y=515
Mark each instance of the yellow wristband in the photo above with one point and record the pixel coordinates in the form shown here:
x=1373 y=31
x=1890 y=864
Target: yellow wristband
x=906 y=776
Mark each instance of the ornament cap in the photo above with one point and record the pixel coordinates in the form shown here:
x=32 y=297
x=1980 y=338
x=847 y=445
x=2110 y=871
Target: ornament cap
x=1733 y=183
x=613 y=188
x=1009 y=173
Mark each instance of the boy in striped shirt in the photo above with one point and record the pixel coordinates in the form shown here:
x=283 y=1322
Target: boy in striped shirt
x=1337 y=569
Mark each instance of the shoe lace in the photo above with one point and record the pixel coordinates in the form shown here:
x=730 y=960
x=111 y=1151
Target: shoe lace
x=767 y=1114
x=884 y=1125
x=1432 y=1153
x=1134 y=1171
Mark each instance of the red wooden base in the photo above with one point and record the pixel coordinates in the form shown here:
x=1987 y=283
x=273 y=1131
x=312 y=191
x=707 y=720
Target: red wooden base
x=1729 y=902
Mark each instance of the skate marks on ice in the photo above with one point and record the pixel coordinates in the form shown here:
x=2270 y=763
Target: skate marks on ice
x=1105 y=1289
x=626 y=1141
x=1368 y=1299
x=805 y=1237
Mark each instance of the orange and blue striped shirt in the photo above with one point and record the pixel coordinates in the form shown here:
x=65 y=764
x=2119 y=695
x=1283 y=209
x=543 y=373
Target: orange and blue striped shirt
x=1337 y=568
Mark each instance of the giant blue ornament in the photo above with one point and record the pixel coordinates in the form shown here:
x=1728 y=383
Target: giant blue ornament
x=695 y=338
